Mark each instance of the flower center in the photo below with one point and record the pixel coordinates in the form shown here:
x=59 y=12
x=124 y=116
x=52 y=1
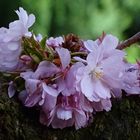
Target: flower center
x=97 y=72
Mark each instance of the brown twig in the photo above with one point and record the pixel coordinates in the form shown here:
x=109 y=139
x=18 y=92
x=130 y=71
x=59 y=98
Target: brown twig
x=130 y=41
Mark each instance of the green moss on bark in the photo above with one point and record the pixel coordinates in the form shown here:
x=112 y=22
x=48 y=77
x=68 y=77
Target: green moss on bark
x=18 y=122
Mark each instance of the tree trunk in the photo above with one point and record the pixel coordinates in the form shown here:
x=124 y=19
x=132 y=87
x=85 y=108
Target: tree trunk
x=20 y=123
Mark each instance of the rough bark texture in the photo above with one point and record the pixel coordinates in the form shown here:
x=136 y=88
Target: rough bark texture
x=20 y=123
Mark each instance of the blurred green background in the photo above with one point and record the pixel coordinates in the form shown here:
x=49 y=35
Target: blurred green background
x=86 y=18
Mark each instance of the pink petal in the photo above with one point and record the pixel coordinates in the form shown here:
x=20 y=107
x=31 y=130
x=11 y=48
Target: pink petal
x=32 y=85
x=49 y=103
x=101 y=90
x=111 y=61
x=112 y=81
x=110 y=42
x=45 y=69
x=119 y=53
x=85 y=104
x=90 y=45
x=31 y=20
x=49 y=90
x=65 y=57
x=97 y=106
x=11 y=89
x=55 y=42
x=114 y=61
x=22 y=15
x=61 y=84
x=26 y=75
x=92 y=59
x=87 y=87
x=113 y=67
x=95 y=57
x=64 y=114
x=106 y=104
x=33 y=99
x=80 y=119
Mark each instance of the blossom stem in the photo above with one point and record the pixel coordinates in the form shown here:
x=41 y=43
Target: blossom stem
x=134 y=39
x=57 y=77
x=79 y=53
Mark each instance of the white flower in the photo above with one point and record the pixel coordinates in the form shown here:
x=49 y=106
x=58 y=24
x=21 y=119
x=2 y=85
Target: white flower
x=10 y=40
x=103 y=71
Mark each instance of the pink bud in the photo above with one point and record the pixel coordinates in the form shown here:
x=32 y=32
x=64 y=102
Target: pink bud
x=26 y=59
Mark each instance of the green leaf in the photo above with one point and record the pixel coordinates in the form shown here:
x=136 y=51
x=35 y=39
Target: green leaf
x=43 y=43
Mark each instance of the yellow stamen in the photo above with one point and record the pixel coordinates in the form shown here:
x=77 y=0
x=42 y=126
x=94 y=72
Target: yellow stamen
x=97 y=73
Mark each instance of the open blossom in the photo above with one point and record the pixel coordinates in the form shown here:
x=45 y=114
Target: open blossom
x=38 y=82
x=35 y=83
x=58 y=99
x=72 y=108
x=69 y=110
x=131 y=79
x=103 y=71
x=10 y=40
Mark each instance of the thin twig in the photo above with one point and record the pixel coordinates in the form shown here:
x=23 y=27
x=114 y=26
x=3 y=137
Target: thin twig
x=130 y=41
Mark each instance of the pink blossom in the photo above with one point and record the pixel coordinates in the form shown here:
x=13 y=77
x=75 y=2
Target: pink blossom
x=61 y=105
x=69 y=110
x=36 y=83
x=103 y=71
x=26 y=59
x=10 y=40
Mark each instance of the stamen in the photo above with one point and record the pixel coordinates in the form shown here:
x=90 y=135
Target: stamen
x=97 y=72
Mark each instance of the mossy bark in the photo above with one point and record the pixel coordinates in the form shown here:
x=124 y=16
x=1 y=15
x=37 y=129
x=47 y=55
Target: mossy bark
x=21 y=123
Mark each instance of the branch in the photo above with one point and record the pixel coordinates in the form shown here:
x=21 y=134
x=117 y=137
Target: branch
x=130 y=41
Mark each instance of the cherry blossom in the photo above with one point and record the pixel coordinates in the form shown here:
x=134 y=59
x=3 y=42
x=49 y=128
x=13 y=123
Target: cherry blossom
x=103 y=71
x=10 y=40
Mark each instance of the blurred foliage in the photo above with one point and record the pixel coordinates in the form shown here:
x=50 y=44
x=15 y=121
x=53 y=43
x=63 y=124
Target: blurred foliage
x=86 y=18
x=43 y=12
x=133 y=53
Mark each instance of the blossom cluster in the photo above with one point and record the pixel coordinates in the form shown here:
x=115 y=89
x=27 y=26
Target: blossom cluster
x=68 y=79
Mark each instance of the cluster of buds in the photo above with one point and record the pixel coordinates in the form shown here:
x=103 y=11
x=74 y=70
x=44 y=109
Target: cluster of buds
x=69 y=79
